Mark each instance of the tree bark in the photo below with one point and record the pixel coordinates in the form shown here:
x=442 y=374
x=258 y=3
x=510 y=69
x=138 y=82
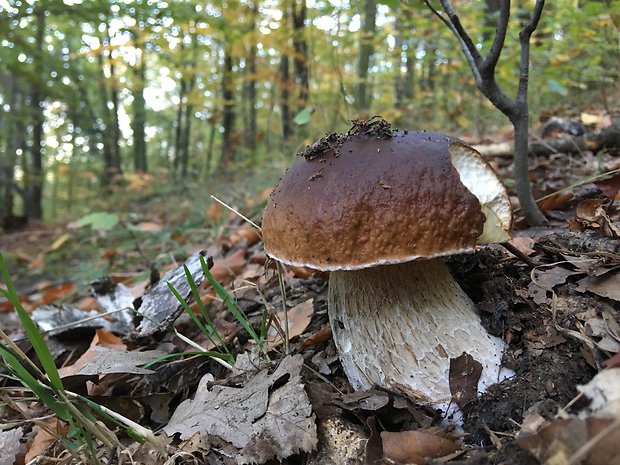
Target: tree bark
x=250 y=132
x=139 y=112
x=35 y=191
x=228 y=109
x=367 y=48
x=302 y=73
x=285 y=85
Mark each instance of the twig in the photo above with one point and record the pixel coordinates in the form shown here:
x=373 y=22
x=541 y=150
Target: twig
x=520 y=255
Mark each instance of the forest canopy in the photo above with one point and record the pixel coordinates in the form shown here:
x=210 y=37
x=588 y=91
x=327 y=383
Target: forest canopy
x=95 y=91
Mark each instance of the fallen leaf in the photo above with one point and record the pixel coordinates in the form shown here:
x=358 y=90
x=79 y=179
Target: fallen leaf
x=416 y=446
x=558 y=440
x=464 y=375
x=58 y=243
x=607 y=285
x=545 y=280
x=524 y=244
x=269 y=417
x=298 y=320
x=610 y=186
x=10 y=445
x=322 y=335
x=245 y=232
x=229 y=266
x=102 y=360
x=148 y=226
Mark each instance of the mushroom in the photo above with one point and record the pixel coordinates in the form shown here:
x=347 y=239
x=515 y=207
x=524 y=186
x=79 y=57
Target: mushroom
x=379 y=209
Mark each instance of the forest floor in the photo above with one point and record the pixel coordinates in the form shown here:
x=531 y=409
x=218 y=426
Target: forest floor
x=557 y=306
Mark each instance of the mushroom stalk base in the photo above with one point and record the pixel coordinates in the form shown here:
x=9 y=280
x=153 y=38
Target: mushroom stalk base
x=398 y=326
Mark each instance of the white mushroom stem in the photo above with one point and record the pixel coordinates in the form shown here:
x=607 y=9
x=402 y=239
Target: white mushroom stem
x=398 y=326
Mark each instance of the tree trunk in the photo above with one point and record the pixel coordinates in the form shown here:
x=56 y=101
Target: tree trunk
x=285 y=84
x=366 y=51
x=15 y=140
x=115 y=131
x=35 y=197
x=178 y=130
x=250 y=132
x=187 y=128
x=302 y=73
x=139 y=112
x=228 y=109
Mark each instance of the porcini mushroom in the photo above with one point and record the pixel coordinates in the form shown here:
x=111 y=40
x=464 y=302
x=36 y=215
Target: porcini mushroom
x=379 y=209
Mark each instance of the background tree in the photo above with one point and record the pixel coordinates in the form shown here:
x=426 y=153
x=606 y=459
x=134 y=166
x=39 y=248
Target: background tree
x=515 y=109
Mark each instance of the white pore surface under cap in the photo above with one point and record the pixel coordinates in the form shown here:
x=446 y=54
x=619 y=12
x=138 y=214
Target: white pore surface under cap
x=478 y=176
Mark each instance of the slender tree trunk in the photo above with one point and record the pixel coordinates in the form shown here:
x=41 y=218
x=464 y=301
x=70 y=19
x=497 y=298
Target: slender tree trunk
x=366 y=51
x=107 y=132
x=228 y=109
x=35 y=197
x=15 y=140
x=250 y=132
x=187 y=128
x=285 y=86
x=178 y=130
x=300 y=44
x=139 y=112
x=115 y=128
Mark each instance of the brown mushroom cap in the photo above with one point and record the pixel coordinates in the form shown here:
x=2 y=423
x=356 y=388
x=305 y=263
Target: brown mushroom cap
x=364 y=201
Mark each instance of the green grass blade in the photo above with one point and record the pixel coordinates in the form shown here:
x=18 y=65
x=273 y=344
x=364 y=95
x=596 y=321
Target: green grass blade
x=203 y=310
x=230 y=303
x=42 y=393
x=37 y=341
x=218 y=355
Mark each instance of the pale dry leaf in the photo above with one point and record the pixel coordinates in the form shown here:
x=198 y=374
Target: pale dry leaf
x=545 y=280
x=607 y=285
x=416 y=446
x=269 y=417
x=9 y=445
x=100 y=360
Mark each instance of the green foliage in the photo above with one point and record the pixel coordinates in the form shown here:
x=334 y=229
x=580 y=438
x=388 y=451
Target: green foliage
x=208 y=328
x=102 y=221
x=89 y=79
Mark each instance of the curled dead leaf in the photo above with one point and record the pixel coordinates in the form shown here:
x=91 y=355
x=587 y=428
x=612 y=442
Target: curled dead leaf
x=416 y=446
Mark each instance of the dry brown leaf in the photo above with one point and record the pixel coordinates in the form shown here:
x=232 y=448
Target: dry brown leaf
x=557 y=442
x=245 y=232
x=148 y=226
x=556 y=201
x=464 y=375
x=545 y=280
x=43 y=439
x=610 y=186
x=107 y=339
x=416 y=446
x=298 y=320
x=524 y=244
x=322 y=335
x=228 y=266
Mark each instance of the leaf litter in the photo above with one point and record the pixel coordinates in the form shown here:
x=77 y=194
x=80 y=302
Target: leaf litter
x=560 y=320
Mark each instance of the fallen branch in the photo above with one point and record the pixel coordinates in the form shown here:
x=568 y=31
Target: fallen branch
x=592 y=142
